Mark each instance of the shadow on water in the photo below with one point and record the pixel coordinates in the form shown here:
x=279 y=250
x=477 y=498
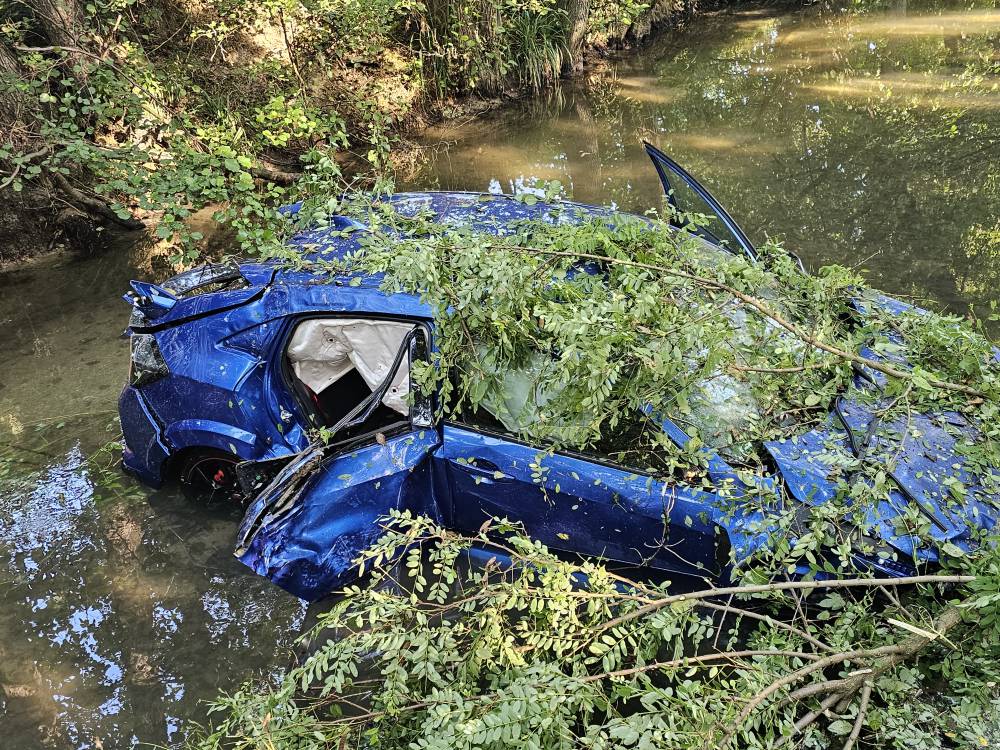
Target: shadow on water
x=868 y=140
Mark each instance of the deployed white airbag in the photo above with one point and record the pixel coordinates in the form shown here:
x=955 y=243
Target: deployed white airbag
x=322 y=351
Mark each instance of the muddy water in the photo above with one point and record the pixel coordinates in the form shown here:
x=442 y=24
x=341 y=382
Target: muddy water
x=868 y=139
x=863 y=139
x=120 y=608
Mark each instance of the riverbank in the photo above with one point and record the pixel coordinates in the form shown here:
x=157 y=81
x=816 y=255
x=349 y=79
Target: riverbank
x=127 y=120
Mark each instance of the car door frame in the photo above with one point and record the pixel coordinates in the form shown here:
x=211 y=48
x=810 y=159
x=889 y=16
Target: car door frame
x=721 y=551
x=662 y=162
x=281 y=372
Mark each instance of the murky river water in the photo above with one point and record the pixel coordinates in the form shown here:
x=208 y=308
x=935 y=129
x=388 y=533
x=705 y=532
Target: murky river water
x=870 y=140
x=862 y=139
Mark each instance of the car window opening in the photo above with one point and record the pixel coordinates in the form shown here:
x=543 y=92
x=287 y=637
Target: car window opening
x=340 y=362
x=636 y=444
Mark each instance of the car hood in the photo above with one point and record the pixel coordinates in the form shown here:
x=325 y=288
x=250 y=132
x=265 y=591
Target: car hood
x=919 y=457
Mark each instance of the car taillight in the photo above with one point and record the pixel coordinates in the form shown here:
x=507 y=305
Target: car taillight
x=147 y=364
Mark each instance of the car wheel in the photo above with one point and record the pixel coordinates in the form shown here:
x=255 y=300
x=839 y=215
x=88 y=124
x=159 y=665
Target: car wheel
x=212 y=473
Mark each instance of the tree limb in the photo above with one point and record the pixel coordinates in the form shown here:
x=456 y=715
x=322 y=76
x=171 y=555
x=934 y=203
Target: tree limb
x=840 y=690
x=764 y=310
x=93 y=205
x=781 y=586
x=866 y=694
x=277 y=176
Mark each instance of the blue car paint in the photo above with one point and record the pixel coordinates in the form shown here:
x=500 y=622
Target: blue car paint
x=225 y=391
x=145 y=450
x=578 y=505
x=310 y=548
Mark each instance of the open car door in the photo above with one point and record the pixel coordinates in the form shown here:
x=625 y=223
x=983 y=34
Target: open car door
x=308 y=526
x=687 y=196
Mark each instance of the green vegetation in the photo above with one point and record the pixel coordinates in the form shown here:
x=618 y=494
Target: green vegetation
x=457 y=657
x=121 y=109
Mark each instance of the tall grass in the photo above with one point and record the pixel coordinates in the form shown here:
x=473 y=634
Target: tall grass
x=538 y=44
x=490 y=46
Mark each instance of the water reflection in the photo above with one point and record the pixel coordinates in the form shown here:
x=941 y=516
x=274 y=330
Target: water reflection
x=121 y=609
x=867 y=140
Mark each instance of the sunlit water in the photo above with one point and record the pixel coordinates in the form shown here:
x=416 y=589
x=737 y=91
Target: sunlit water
x=869 y=140
x=122 y=608
x=866 y=140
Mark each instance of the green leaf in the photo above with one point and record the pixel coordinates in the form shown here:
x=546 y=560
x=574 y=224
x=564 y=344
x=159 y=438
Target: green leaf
x=840 y=727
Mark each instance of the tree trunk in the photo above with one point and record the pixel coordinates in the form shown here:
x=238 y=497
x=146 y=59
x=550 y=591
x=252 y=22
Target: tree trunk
x=63 y=25
x=577 y=13
x=13 y=103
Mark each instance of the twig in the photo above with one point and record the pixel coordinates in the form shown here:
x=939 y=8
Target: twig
x=807 y=719
x=21 y=161
x=799 y=368
x=783 y=586
x=739 y=612
x=113 y=66
x=701 y=659
x=291 y=55
x=866 y=694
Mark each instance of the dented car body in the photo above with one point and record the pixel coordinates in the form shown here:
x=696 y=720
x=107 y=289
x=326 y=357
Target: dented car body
x=233 y=367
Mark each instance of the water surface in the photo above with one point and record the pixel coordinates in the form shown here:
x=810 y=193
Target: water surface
x=121 y=608
x=865 y=139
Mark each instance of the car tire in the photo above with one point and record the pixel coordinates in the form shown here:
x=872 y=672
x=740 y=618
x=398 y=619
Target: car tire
x=211 y=474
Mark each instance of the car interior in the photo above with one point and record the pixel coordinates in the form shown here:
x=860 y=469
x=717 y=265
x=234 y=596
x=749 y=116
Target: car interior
x=338 y=363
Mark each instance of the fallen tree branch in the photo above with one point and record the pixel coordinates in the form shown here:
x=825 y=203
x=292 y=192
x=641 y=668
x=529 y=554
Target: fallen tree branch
x=93 y=205
x=866 y=694
x=841 y=690
x=799 y=674
x=763 y=309
x=782 y=586
x=944 y=622
x=277 y=176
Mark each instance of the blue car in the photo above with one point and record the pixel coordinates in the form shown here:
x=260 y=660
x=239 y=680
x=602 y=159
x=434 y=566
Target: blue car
x=234 y=367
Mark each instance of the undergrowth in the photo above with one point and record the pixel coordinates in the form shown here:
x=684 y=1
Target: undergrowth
x=123 y=112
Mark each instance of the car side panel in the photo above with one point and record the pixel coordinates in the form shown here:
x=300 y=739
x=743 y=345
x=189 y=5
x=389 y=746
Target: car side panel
x=578 y=505
x=145 y=451
x=310 y=548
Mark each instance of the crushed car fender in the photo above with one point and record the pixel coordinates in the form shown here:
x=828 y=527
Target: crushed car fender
x=309 y=545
